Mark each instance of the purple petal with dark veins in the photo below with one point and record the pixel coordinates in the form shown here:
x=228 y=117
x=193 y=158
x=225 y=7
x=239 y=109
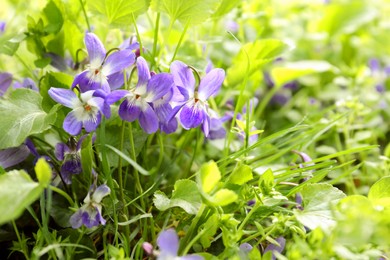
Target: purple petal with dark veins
x=115 y=96
x=81 y=79
x=95 y=48
x=168 y=242
x=158 y=86
x=91 y=124
x=60 y=151
x=63 y=96
x=183 y=75
x=5 y=82
x=12 y=156
x=148 y=119
x=211 y=83
x=143 y=72
x=191 y=116
x=118 y=61
x=71 y=124
x=128 y=110
x=206 y=125
x=116 y=80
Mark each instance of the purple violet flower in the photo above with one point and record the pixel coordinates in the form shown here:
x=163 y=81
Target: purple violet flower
x=2 y=27
x=275 y=249
x=27 y=83
x=70 y=156
x=5 y=82
x=101 y=66
x=139 y=101
x=168 y=243
x=14 y=155
x=86 y=109
x=195 y=110
x=90 y=214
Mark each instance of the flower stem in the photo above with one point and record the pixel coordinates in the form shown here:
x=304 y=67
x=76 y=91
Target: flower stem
x=180 y=40
x=85 y=15
x=155 y=39
x=138 y=35
x=21 y=243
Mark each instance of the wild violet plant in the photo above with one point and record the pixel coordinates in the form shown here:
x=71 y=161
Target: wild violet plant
x=145 y=130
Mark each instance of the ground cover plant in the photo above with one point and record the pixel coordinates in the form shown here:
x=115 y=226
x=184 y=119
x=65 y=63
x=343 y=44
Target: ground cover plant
x=218 y=129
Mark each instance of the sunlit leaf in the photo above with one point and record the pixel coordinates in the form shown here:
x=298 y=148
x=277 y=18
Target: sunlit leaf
x=17 y=191
x=259 y=53
x=317 y=201
x=195 y=11
x=209 y=176
x=185 y=195
x=22 y=115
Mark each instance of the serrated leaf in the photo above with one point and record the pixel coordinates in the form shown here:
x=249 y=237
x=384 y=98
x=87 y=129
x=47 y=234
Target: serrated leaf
x=22 y=115
x=119 y=12
x=224 y=197
x=259 y=53
x=293 y=70
x=209 y=176
x=194 y=11
x=185 y=195
x=43 y=172
x=317 y=201
x=17 y=191
x=379 y=192
x=241 y=174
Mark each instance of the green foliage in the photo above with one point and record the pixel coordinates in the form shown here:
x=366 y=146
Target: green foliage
x=54 y=18
x=17 y=191
x=317 y=202
x=194 y=12
x=241 y=174
x=119 y=12
x=185 y=195
x=380 y=192
x=22 y=115
x=252 y=57
x=209 y=176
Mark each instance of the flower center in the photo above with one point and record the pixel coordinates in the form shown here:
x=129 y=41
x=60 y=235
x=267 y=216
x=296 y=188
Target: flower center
x=87 y=108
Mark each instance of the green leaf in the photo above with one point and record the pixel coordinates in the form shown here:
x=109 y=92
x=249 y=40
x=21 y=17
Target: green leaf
x=209 y=176
x=59 y=79
x=241 y=174
x=294 y=70
x=10 y=44
x=259 y=53
x=17 y=191
x=224 y=197
x=43 y=172
x=41 y=63
x=194 y=11
x=266 y=181
x=22 y=115
x=54 y=18
x=119 y=12
x=346 y=17
x=317 y=201
x=210 y=228
x=379 y=193
x=225 y=7
x=185 y=195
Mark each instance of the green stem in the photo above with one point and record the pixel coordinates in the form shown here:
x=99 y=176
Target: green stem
x=155 y=38
x=21 y=243
x=85 y=15
x=63 y=194
x=180 y=40
x=138 y=35
x=191 y=229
